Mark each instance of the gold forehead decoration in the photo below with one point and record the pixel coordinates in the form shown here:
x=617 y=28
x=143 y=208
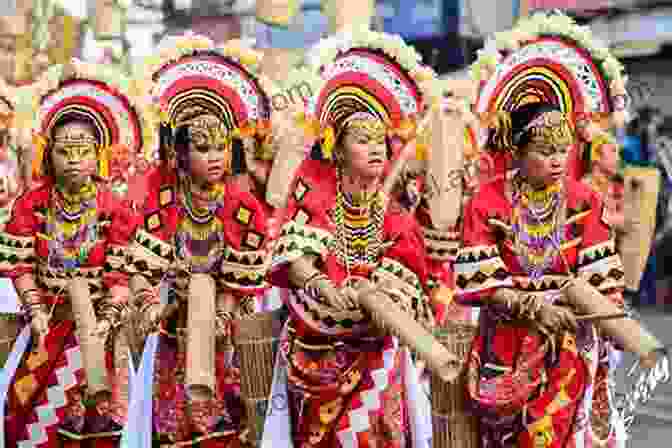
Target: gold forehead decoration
x=551 y=128
x=371 y=127
x=75 y=135
x=208 y=130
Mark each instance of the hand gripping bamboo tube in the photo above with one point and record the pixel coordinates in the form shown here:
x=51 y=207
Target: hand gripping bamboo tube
x=91 y=345
x=627 y=332
x=390 y=317
x=201 y=333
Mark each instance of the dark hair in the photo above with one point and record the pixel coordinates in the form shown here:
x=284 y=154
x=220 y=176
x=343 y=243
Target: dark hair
x=508 y=132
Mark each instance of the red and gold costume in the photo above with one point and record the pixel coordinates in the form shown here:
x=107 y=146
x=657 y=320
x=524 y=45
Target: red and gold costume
x=563 y=401
x=54 y=236
x=214 y=92
x=346 y=379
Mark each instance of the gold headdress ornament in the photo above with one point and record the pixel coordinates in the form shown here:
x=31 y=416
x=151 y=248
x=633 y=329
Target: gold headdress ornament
x=193 y=77
x=95 y=93
x=549 y=58
x=370 y=72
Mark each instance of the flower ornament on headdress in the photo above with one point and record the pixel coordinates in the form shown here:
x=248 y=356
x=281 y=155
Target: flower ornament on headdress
x=79 y=91
x=194 y=79
x=366 y=72
x=549 y=58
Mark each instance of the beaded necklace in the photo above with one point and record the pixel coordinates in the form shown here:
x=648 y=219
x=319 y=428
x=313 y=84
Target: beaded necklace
x=199 y=236
x=359 y=228
x=72 y=227
x=537 y=224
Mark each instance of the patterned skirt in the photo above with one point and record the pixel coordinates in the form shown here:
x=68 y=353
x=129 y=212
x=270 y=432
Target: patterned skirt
x=47 y=391
x=220 y=423
x=348 y=396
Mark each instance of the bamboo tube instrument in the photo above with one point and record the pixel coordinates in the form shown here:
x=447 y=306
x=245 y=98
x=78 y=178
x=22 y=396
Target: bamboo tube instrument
x=254 y=339
x=627 y=332
x=389 y=316
x=91 y=345
x=201 y=334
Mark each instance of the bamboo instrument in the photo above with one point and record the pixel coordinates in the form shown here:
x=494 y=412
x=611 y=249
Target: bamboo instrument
x=627 y=332
x=445 y=158
x=390 y=317
x=91 y=345
x=453 y=425
x=201 y=333
x=288 y=157
x=254 y=340
x=640 y=201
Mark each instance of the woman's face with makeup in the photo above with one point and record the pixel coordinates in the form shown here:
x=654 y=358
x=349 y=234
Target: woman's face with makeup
x=365 y=148
x=74 y=153
x=209 y=150
x=545 y=164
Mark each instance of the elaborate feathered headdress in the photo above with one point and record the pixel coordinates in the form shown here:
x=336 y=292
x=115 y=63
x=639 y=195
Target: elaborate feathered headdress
x=92 y=93
x=370 y=73
x=548 y=58
x=195 y=77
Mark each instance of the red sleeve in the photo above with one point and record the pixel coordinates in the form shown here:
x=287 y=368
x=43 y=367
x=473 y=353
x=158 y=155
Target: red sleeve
x=244 y=265
x=118 y=234
x=405 y=261
x=306 y=227
x=409 y=247
x=18 y=241
x=479 y=268
x=599 y=262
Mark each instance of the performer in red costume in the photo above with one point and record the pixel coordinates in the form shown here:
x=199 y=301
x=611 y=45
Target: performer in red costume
x=69 y=382
x=346 y=379
x=200 y=217
x=536 y=375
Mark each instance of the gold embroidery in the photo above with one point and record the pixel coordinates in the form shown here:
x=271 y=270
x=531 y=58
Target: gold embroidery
x=542 y=432
x=244 y=215
x=329 y=411
x=166 y=197
x=153 y=222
